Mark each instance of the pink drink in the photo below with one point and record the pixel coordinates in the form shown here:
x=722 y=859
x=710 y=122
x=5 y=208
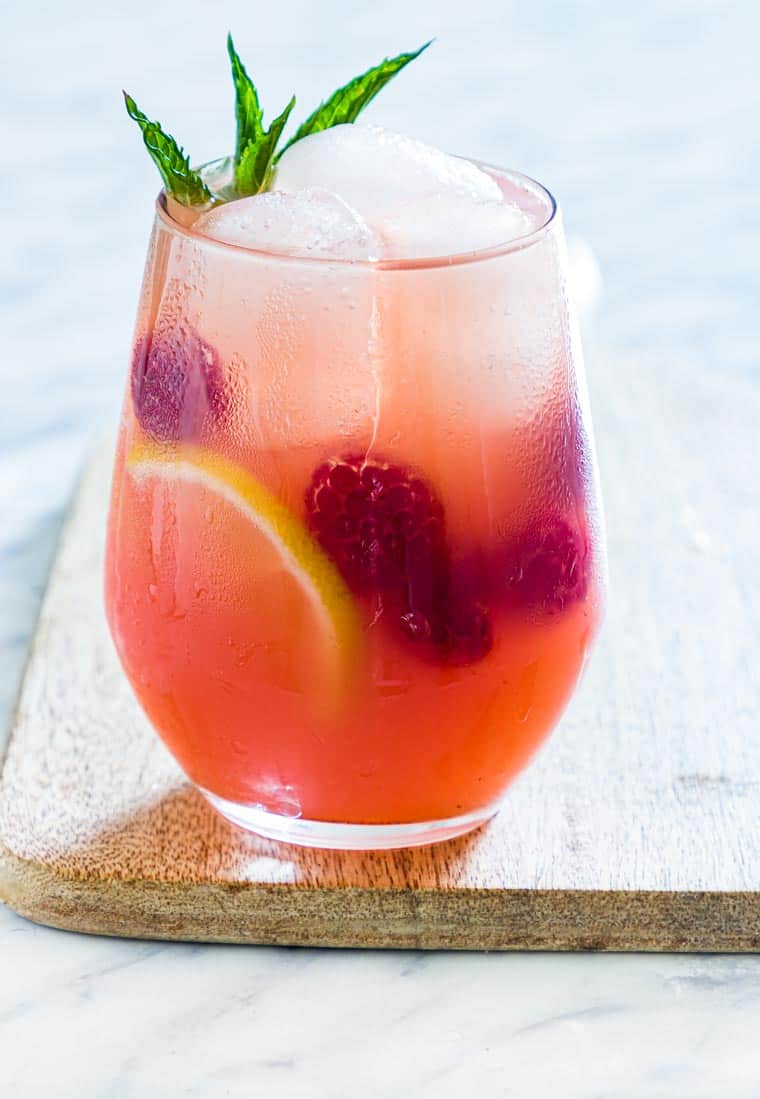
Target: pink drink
x=422 y=425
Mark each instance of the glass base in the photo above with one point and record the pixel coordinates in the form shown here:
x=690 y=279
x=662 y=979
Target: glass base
x=347 y=837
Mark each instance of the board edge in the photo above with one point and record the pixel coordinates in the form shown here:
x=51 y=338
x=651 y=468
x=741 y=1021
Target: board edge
x=413 y=919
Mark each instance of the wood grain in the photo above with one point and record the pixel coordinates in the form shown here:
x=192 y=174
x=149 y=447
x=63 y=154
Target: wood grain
x=638 y=828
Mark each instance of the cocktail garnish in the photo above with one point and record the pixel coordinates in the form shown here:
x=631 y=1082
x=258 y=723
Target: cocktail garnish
x=180 y=181
x=256 y=146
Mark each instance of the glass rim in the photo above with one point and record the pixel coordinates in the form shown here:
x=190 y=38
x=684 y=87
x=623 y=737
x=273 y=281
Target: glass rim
x=454 y=259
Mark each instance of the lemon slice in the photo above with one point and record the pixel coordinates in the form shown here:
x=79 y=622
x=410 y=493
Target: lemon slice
x=334 y=610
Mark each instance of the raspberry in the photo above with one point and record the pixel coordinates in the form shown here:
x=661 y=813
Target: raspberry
x=385 y=530
x=376 y=522
x=177 y=384
x=547 y=566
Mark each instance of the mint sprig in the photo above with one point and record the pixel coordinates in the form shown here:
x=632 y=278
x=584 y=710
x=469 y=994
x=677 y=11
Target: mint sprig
x=180 y=181
x=255 y=146
x=256 y=152
x=347 y=103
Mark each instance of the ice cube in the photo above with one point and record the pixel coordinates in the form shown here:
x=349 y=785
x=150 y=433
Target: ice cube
x=444 y=224
x=418 y=200
x=376 y=170
x=310 y=222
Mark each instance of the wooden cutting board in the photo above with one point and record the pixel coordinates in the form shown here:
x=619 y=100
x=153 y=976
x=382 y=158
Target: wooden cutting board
x=638 y=828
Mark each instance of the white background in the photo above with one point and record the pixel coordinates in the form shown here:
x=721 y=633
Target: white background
x=643 y=119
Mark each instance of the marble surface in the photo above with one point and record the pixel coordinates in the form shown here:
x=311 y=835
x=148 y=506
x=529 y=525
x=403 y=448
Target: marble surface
x=643 y=120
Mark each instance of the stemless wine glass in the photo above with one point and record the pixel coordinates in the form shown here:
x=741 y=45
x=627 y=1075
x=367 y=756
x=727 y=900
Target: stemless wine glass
x=355 y=553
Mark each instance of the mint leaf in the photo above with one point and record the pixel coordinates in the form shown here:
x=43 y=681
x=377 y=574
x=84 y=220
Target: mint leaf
x=348 y=102
x=255 y=146
x=250 y=125
x=180 y=181
x=256 y=151
x=253 y=170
